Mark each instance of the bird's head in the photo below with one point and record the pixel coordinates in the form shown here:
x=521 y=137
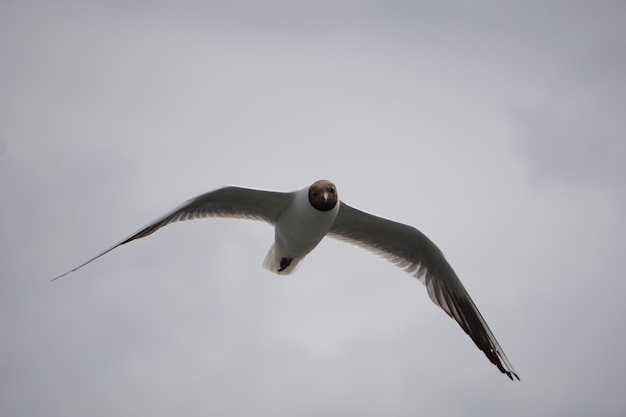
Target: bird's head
x=323 y=195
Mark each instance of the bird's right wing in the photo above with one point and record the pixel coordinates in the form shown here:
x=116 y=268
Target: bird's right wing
x=230 y=201
x=412 y=251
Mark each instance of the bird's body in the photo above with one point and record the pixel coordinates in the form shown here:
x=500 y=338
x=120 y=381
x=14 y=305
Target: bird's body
x=299 y=229
x=303 y=218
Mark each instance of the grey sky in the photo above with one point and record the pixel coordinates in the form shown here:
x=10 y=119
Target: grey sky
x=496 y=128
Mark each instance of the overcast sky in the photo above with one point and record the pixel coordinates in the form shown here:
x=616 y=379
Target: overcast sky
x=496 y=128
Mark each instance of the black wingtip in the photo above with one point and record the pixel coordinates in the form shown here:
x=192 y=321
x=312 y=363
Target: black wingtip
x=55 y=278
x=64 y=274
x=511 y=375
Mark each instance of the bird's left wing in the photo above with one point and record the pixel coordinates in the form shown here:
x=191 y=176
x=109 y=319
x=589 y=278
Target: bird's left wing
x=230 y=201
x=412 y=251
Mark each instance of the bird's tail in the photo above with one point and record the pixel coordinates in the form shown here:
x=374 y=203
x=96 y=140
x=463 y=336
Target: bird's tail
x=277 y=263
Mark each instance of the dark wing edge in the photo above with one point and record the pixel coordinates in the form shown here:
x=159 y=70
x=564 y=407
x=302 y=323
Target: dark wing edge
x=412 y=251
x=232 y=202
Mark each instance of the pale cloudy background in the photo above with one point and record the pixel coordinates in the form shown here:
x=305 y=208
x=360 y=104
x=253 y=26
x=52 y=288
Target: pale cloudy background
x=497 y=128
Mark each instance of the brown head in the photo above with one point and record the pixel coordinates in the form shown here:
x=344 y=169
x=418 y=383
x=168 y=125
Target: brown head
x=323 y=195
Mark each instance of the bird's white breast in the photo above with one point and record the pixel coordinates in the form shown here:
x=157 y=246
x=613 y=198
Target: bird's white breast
x=301 y=227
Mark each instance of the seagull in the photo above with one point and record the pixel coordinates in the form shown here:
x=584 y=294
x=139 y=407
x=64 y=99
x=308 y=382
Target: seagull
x=302 y=218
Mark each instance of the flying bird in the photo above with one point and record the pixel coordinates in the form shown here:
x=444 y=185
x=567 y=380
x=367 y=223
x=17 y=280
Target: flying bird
x=302 y=218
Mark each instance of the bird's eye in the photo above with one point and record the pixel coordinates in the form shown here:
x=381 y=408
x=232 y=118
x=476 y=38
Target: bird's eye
x=332 y=190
